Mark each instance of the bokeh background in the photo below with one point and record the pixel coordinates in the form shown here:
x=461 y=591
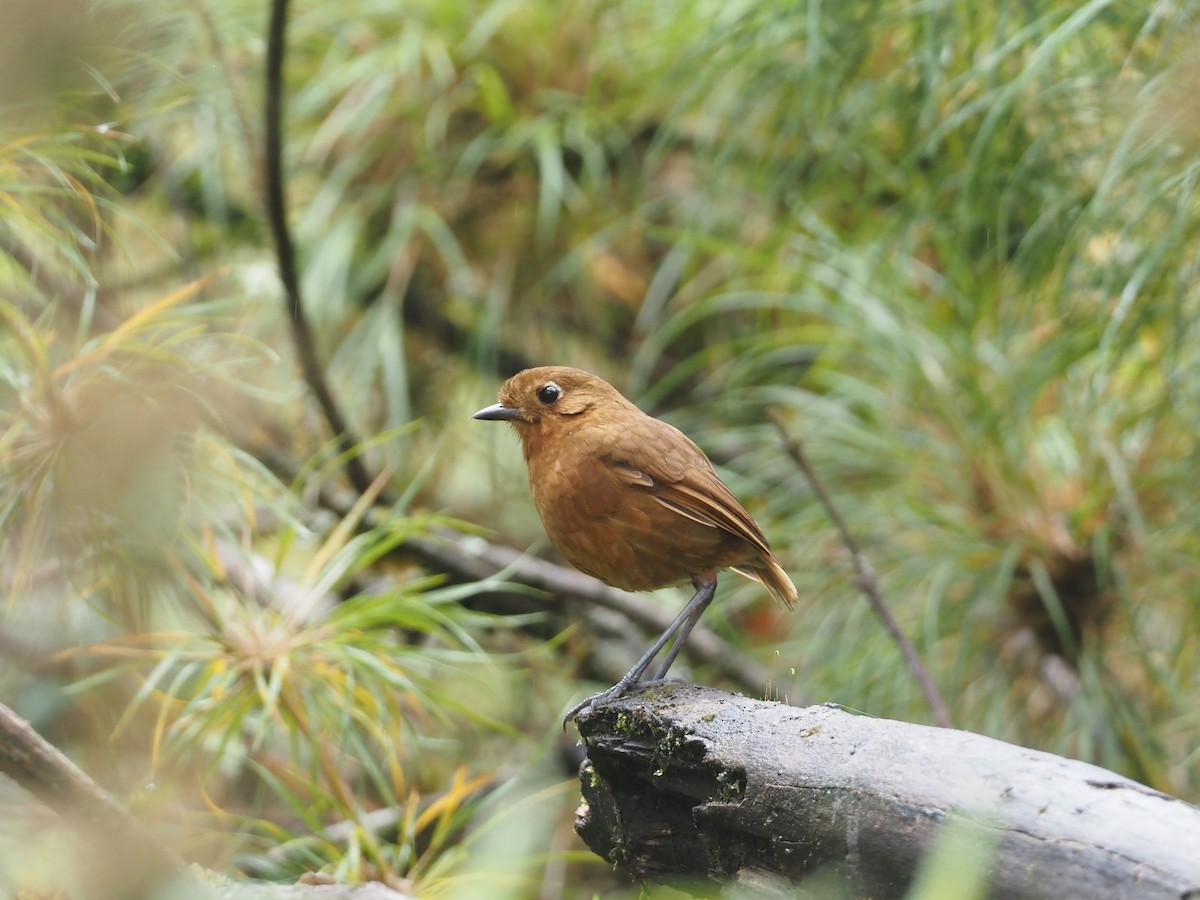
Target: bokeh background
x=953 y=248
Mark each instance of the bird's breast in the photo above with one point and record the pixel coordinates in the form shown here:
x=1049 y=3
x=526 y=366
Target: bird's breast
x=615 y=530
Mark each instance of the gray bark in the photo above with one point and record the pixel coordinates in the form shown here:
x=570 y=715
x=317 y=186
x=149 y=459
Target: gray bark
x=688 y=783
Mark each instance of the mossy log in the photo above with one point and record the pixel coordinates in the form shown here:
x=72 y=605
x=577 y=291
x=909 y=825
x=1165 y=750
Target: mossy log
x=686 y=783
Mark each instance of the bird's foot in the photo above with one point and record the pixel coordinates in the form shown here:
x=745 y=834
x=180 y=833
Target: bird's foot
x=615 y=692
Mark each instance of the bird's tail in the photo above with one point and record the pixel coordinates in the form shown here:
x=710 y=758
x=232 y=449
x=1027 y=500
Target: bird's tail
x=767 y=571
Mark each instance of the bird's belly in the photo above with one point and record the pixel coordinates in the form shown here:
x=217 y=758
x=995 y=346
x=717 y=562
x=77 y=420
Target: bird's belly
x=623 y=536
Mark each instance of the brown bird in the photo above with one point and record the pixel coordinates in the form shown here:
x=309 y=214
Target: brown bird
x=630 y=499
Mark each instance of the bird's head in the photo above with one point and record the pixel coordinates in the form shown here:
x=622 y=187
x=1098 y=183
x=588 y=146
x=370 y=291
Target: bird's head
x=549 y=400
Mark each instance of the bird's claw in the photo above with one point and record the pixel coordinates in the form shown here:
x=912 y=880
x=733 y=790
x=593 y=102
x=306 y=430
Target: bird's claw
x=615 y=692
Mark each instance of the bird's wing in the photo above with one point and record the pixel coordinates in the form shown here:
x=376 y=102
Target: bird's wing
x=661 y=459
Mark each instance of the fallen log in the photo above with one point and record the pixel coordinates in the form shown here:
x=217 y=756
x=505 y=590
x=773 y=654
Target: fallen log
x=686 y=783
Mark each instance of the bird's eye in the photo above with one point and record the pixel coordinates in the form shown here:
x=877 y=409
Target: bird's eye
x=549 y=393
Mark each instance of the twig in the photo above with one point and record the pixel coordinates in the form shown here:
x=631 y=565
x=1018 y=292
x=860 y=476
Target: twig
x=866 y=579
x=276 y=208
x=465 y=557
x=40 y=768
x=474 y=558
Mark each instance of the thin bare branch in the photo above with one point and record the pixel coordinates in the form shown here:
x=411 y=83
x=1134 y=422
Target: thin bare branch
x=866 y=579
x=468 y=557
x=471 y=557
x=276 y=209
x=40 y=768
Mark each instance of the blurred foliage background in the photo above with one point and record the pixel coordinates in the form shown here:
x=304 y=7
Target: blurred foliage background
x=953 y=247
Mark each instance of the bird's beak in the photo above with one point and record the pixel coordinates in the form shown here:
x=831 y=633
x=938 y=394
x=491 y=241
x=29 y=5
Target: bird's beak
x=498 y=412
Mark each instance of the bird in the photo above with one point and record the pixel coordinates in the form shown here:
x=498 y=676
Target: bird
x=631 y=500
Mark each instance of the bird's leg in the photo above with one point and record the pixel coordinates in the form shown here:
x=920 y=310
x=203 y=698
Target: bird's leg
x=689 y=623
x=681 y=625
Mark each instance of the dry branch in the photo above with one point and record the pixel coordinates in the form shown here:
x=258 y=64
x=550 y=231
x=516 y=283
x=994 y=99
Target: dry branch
x=866 y=579
x=471 y=558
x=685 y=782
x=42 y=770
x=285 y=253
x=129 y=861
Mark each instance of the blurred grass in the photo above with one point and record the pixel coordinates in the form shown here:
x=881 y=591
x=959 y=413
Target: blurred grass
x=954 y=247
